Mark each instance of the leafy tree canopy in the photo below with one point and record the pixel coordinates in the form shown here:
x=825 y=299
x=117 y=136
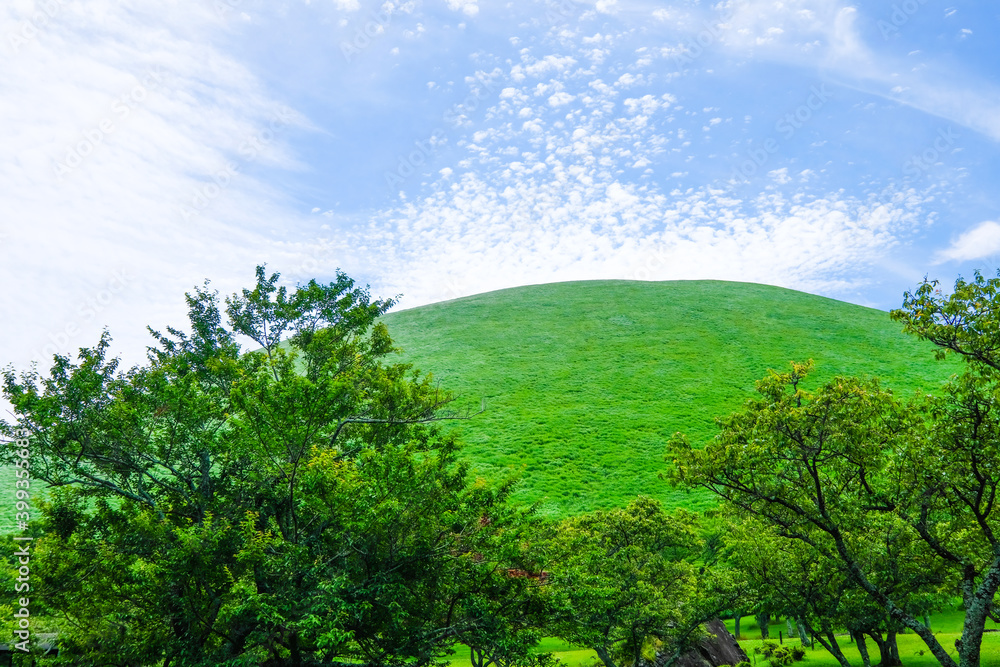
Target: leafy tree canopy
x=897 y=497
x=624 y=583
x=293 y=504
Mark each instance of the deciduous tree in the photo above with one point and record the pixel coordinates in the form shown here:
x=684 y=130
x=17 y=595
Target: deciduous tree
x=838 y=469
x=623 y=584
x=292 y=504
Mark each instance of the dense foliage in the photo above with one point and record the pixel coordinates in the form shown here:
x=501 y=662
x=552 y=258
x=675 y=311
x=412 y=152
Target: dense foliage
x=297 y=503
x=623 y=582
x=286 y=505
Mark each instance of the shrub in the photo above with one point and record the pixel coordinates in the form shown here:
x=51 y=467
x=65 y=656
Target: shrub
x=745 y=663
x=782 y=656
x=798 y=653
x=766 y=648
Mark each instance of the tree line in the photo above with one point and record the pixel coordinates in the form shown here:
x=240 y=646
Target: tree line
x=272 y=488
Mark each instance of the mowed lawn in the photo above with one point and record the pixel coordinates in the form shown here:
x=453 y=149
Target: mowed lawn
x=913 y=652
x=567 y=654
x=585 y=382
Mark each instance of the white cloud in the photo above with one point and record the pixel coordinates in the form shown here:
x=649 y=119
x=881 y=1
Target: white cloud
x=468 y=7
x=607 y=6
x=557 y=208
x=981 y=241
x=561 y=98
x=548 y=65
x=825 y=34
x=783 y=27
x=524 y=230
x=780 y=176
x=627 y=80
x=647 y=104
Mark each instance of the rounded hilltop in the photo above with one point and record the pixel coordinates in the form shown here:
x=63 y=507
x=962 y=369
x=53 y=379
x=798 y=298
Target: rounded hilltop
x=585 y=381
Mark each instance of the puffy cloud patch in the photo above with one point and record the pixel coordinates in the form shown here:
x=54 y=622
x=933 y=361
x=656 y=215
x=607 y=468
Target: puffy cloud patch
x=561 y=98
x=566 y=224
x=981 y=241
x=467 y=7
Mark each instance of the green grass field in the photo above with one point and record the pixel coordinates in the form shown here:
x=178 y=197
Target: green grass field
x=912 y=650
x=569 y=655
x=585 y=381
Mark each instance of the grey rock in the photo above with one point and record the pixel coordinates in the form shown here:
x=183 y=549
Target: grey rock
x=718 y=648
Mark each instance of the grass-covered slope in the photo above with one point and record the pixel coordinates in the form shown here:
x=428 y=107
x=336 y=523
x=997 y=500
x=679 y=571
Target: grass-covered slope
x=585 y=381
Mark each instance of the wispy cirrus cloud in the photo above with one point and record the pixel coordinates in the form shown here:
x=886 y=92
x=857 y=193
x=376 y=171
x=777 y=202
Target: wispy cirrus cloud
x=829 y=35
x=134 y=146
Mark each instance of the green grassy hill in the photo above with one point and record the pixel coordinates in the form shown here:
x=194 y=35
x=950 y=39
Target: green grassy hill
x=585 y=381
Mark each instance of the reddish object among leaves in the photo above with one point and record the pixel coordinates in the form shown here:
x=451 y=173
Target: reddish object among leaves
x=515 y=573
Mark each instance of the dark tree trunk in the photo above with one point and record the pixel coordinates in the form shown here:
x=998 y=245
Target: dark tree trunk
x=887 y=648
x=295 y=651
x=978 y=601
x=889 y=651
x=736 y=624
x=763 y=621
x=803 y=635
x=719 y=648
x=830 y=643
x=893 y=650
x=859 y=639
x=480 y=658
x=877 y=638
x=602 y=653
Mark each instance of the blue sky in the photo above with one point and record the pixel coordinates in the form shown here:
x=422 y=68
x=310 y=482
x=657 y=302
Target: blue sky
x=441 y=148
